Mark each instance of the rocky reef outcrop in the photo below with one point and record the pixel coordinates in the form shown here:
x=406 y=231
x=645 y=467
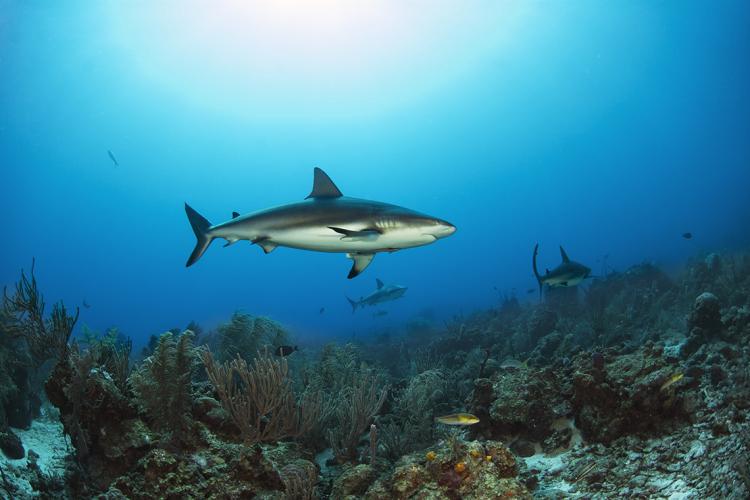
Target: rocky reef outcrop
x=455 y=469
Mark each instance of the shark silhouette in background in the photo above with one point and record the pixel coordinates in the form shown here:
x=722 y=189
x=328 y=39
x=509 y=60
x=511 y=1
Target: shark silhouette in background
x=568 y=273
x=383 y=293
x=112 y=157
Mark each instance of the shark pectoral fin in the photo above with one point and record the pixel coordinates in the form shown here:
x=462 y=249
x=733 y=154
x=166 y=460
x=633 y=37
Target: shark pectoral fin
x=361 y=261
x=563 y=283
x=266 y=244
x=349 y=235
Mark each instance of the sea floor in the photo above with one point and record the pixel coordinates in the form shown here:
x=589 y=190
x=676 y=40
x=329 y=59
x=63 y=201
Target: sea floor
x=45 y=440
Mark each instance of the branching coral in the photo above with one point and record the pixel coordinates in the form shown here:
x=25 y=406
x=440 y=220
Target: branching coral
x=260 y=399
x=299 y=480
x=110 y=352
x=338 y=366
x=163 y=382
x=356 y=408
x=411 y=427
x=244 y=335
x=28 y=339
x=47 y=338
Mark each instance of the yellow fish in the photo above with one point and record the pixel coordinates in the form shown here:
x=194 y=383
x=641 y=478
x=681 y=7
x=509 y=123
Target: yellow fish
x=457 y=419
x=672 y=380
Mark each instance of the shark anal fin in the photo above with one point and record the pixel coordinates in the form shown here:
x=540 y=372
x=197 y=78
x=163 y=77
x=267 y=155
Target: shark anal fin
x=265 y=243
x=379 y=283
x=361 y=261
x=235 y=215
x=349 y=235
x=563 y=283
x=323 y=186
x=230 y=241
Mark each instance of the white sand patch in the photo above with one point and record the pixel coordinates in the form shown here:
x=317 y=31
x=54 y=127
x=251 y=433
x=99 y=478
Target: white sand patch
x=47 y=440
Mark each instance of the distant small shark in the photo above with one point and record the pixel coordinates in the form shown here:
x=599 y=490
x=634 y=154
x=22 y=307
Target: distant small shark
x=568 y=273
x=383 y=293
x=112 y=157
x=327 y=221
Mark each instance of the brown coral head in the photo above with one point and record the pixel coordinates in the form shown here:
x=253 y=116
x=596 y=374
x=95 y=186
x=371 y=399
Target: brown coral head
x=450 y=479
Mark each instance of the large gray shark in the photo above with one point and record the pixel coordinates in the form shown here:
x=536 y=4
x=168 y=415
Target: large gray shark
x=568 y=273
x=326 y=221
x=383 y=293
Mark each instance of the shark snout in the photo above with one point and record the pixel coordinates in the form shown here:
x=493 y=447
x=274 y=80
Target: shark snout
x=444 y=229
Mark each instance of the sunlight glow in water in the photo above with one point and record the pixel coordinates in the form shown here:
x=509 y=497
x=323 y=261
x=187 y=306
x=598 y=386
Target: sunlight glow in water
x=294 y=57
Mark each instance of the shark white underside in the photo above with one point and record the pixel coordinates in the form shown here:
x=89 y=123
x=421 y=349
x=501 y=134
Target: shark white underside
x=326 y=221
x=324 y=239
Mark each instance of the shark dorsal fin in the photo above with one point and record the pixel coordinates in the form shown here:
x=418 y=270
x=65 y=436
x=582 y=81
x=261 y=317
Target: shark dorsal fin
x=564 y=255
x=235 y=215
x=379 y=283
x=323 y=186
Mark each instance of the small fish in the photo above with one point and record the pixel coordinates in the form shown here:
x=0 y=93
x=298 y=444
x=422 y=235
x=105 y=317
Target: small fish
x=322 y=310
x=687 y=236
x=514 y=363
x=457 y=419
x=671 y=381
x=379 y=313
x=112 y=157
x=86 y=304
x=285 y=350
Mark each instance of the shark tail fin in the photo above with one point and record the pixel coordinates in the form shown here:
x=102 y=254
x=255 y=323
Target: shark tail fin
x=536 y=271
x=353 y=304
x=201 y=227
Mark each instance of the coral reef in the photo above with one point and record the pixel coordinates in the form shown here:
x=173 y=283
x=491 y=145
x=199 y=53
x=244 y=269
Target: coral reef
x=162 y=383
x=355 y=409
x=637 y=387
x=28 y=341
x=245 y=335
x=260 y=400
x=484 y=469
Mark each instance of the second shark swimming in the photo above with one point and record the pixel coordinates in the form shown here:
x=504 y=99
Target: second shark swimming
x=383 y=293
x=326 y=221
x=568 y=273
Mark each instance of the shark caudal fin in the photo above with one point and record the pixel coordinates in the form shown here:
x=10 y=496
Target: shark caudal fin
x=353 y=304
x=536 y=271
x=200 y=227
